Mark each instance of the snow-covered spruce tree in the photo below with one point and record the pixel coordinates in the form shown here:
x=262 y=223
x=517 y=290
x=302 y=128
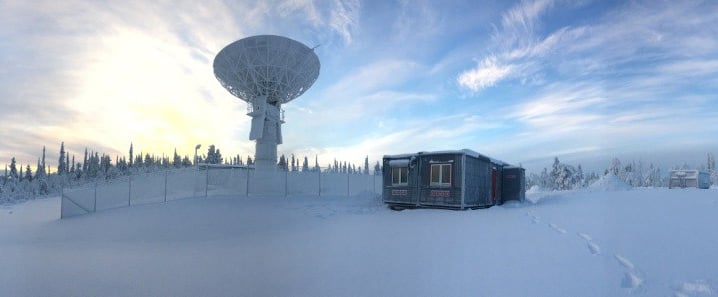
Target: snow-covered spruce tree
x=218 y=157
x=41 y=172
x=85 y=165
x=616 y=168
x=653 y=177
x=137 y=163
x=130 y=159
x=13 y=169
x=316 y=164
x=305 y=165
x=377 y=168
x=282 y=164
x=72 y=164
x=176 y=160
x=62 y=164
x=366 y=165
x=579 y=178
x=186 y=162
x=149 y=162
x=28 y=173
x=554 y=175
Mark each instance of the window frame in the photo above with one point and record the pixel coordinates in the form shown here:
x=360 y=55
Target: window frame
x=403 y=176
x=440 y=167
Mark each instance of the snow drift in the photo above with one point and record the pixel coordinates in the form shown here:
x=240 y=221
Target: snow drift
x=651 y=242
x=609 y=182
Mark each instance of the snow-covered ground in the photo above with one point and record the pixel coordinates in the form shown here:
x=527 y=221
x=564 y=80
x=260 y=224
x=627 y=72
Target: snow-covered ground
x=649 y=242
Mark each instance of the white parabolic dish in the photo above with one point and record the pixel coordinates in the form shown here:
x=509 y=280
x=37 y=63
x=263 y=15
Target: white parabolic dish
x=275 y=67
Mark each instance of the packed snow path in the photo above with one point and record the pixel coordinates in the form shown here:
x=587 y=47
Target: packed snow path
x=645 y=242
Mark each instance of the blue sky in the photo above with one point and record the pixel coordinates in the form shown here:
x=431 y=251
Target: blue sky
x=521 y=81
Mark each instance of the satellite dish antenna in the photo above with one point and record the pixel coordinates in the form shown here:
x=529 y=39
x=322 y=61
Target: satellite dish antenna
x=266 y=71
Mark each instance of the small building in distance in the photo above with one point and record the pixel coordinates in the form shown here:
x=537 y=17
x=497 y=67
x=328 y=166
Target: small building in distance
x=458 y=179
x=689 y=179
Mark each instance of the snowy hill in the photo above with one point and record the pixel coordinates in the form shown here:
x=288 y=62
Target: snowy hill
x=649 y=242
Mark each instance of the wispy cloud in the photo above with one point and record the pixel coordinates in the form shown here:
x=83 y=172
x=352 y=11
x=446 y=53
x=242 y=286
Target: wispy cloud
x=604 y=83
x=344 y=18
x=486 y=74
x=107 y=73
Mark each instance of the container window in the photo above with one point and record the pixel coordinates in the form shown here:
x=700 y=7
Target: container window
x=441 y=175
x=399 y=176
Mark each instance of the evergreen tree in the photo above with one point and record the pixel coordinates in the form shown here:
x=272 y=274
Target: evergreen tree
x=616 y=168
x=366 y=165
x=555 y=175
x=377 y=168
x=218 y=157
x=20 y=176
x=149 y=161
x=294 y=167
x=305 y=164
x=580 y=182
x=282 y=163
x=85 y=165
x=214 y=156
x=37 y=171
x=62 y=165
x=138 y=161
x=316 y=164
x=28 y=173
x=176 y=160
x=41 y=171
x=130 y=165
x=545 y=181
x=13 y=169
x=250 y=162
x=711 y=163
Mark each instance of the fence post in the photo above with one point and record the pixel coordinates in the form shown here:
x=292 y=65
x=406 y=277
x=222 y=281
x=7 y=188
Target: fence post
x=62 y=199
x=129 y=190
x=94 y=205
x=166 y=185
x=95 y=194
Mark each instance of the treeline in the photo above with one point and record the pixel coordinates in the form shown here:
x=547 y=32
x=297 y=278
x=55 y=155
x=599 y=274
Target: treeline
x=292 y=163
x=22 y=182
x=636 y=174
x=561 y=177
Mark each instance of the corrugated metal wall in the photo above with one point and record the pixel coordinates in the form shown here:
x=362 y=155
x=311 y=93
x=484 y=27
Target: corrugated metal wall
x=438 y=195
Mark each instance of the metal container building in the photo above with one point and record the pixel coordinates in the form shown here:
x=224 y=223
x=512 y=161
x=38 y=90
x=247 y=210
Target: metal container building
x=450 y=179
x=689 y=179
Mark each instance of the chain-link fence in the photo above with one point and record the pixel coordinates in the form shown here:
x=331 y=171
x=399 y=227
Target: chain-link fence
x=207 y=181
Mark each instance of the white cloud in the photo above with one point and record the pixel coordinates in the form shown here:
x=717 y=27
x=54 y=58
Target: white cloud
x=484 y=75
x=344 y=18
